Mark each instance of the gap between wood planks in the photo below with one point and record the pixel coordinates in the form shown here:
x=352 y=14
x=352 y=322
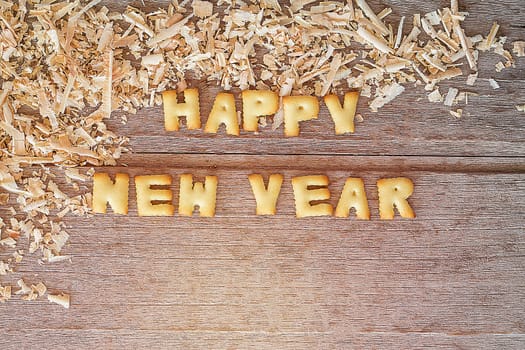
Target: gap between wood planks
x=522 y=158
x=276 y=162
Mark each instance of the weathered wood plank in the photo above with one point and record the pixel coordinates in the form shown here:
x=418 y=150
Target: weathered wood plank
x=451 y=277
x=491 y=126
x=410 y=125
x=117 y=339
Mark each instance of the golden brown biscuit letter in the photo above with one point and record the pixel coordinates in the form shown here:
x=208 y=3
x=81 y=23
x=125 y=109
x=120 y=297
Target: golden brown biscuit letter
x=266 y=198
x=173 y=110
x=394 y=193
x=146 y=195
x=304 y=195
x=106 y=191
x=343 y=116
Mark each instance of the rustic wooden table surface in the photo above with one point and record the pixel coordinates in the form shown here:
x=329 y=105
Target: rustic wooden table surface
x=453 y=278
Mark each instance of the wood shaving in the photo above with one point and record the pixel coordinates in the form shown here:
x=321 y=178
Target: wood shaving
x=5 y=293
x=435 y=96
x=40 y=288
x=399 y=32
x=33 y=293
x=389 y=93
x=8 y=242
x=372 y=16
x=377 y=42
x=27 y=293
x=464 y=44
x=168 y=32
x=519 y=48
x=457 y=114
x=500 y=66
x=494 y=84
x=18 y=256
x=4 y=268
x=202 y=8
x=60 y=299
x=451 y=96
x=471 y=79
x=489 y=41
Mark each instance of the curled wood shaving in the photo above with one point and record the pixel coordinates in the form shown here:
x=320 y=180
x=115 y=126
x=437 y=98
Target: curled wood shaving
x=372 y=16
x=168 y=32
x=389 y=92
x=377 y=42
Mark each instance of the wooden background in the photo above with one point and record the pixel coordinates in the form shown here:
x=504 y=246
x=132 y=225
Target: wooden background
x=453 y=278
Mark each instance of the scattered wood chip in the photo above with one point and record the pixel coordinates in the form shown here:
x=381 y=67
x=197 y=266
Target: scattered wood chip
x=471 y=79
x=376 y=41
x=40 y=288
x=494 y=84
x=60 y=299
x=457 y=114
x=387 y=94
x=489 y=41
x=435 y=96
x=451 y=96
x=519 y=48
x=4 y=268
x=202 y=8
x=24 y=288
x=5 y=293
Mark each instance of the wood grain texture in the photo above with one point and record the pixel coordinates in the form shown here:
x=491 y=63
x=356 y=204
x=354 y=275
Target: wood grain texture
x=491 y=127
x=453 y=278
